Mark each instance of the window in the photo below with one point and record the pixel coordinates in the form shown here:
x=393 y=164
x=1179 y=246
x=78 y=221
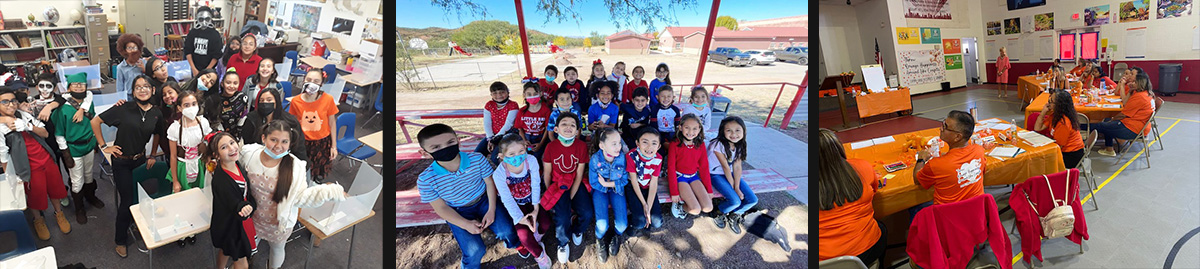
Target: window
x=1089 y=45
x=678 y=45
x=1066 y=47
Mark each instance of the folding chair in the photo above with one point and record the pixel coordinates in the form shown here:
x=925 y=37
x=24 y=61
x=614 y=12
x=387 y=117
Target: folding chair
x=1085 y=165
x=1141 y=137
x=843 y=262
x=1158 y=103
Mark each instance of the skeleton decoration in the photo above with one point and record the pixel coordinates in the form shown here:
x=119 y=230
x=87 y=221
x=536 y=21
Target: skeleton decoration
x=204 y=18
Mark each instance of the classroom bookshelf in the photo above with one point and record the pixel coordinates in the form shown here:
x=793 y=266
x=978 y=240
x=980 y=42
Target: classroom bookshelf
x=21 y=46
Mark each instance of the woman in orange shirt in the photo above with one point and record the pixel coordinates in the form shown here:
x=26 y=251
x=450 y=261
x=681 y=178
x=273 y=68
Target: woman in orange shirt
x=1136 y=112
x=847 y=218
x=1059 y=116
x=1080 y=67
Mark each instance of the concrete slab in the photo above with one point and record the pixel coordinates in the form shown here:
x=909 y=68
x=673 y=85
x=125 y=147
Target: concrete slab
x=477 y=69
x=788 y=156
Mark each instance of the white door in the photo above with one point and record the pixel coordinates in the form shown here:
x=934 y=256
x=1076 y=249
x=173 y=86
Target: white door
x=970 y=60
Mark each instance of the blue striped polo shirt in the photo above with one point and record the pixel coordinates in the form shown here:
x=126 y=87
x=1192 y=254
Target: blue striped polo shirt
x=456 y=188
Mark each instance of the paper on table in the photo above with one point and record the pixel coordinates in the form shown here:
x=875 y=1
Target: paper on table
x=1113 y=100
x=991 y=120
x=1006 y=152
x=1111 y=105
x=873 y=77
x=1001 y=126
x=1034 y=139
x=883 y=140
x=862 y=144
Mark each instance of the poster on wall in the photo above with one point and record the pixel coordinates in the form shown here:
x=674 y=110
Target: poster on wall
x=993 y=28
x=1043 y=22
x=1137 y=10
x=1012 y=49
x=373 y=29
x=342 y=26
x=1174 y=8
x=954 y=62
x=1135 y=42
x=1046 y=47
x=1096 y=15
x=952 y=46
x=927 y=9
x=305 y=17
x=922 y=67
x=931 y=35
x=908 y=35
x=1012 y=26
x=993 y=50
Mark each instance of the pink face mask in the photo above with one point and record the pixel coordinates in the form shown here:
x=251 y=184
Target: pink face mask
x=533 y=100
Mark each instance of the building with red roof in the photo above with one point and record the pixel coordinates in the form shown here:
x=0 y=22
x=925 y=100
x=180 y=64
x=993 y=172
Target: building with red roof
x=690 y=39
x=628 y=42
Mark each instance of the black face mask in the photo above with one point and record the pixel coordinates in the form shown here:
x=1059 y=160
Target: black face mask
x=446 y=154
x=20 y=96
x=265 y=109
x=79 y=95
x=142 y=102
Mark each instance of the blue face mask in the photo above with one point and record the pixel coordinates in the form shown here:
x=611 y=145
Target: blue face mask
x=275 y=156
x=201 y=86
x=699 y=106
x=515 y=160
x=550 y=79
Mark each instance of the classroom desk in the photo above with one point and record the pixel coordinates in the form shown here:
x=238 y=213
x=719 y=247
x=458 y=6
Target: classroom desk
x=321 y=236
x=902 y=193
x=1094 y=113
x=191 y=206
x=374 y=140
x=318 y=62
x=38 y=259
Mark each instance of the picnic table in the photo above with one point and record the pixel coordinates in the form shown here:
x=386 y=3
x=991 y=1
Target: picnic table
x=902 y=193
x=411 y=212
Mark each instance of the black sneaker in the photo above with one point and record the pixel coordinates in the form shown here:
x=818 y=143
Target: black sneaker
x=718 y=218
x=191 y=240
x=602 y=250
x=614 y=245
x=735 y=222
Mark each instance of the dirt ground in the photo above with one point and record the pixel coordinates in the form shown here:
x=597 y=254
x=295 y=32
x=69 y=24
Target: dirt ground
x=687 y=243
x=750 y=102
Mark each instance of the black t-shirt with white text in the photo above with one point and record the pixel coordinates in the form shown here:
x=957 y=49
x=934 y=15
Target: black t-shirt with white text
x=203 y=45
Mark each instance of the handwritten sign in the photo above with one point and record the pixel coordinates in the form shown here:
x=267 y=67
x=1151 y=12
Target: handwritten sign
x=922 y=67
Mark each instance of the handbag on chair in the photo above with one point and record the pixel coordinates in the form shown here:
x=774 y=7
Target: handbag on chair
x=1060 y=221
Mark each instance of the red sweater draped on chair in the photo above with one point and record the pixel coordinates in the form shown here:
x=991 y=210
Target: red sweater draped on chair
x=944 y=236
x=1038 y=192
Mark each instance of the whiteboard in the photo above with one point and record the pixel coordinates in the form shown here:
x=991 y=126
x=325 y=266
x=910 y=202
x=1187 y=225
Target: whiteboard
x=873 y=77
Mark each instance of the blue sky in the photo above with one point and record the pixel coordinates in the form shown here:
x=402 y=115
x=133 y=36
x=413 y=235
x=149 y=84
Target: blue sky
x=595 y=17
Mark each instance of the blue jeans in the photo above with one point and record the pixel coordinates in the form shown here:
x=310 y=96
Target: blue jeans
x=1113 y=130
x=637 y=215
x=472 y=244
x=602 y=200
x=566 y=208
x=482 y=149
x=732 y=204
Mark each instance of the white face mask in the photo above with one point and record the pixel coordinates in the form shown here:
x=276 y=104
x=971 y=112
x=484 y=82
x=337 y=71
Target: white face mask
x=311 y=88
x=191 y=112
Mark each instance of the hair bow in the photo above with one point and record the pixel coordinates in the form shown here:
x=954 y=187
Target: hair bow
x=208 y=137
x=597 y=61
x=529 y=79
x=231 y=69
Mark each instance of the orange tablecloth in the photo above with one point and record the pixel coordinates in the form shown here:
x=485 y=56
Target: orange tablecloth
x=902 y=193
x=885 y=102
x=1094 y=113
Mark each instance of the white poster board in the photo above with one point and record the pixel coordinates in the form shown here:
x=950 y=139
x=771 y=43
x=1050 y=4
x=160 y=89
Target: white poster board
x=1029 y=47
x=919 y=67
x=874 y=78
x=1135 y=42
x=1046 y=49
x=993 y=50
x=335 y=215
x=1012 y=48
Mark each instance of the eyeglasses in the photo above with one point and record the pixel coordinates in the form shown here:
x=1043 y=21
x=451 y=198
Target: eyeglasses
x=142 y=88
x=7 y=102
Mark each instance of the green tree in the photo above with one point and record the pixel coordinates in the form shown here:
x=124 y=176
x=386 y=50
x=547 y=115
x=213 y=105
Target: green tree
x=623 y=13
x=727 y=22
x=560 y=41
x=475 y=34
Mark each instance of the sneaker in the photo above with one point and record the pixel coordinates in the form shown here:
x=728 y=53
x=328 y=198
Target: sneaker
x=121 y=251
x=39 y=226
x=63 y=225
x=735 y=222
x=543 y=261
x=1107 y=152
x=64 y=202
x=677 y=210
x=602 y=250
x=577 y=238
x=181 y=242
x=614 y=244
x=564 y=253
x=523 y=252
x=718 y=219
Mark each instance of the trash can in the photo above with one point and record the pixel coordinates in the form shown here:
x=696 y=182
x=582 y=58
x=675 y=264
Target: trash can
x=1168 y=79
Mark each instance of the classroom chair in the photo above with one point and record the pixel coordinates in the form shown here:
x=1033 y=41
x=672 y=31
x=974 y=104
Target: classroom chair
x=14 y=221
x=1085 y=164
x=1158 y=103
x=156 y=174
x=1141 y=137
x=294 y=64
x=844 y=262
x=330 y=73
x=348 y=144
x=378 y=106
x=287 y=92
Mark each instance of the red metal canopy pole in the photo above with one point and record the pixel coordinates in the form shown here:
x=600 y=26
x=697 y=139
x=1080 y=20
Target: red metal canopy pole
x=708 y=33
x=525 y=39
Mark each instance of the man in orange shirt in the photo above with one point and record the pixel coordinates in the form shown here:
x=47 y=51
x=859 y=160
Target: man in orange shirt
x=958 y=174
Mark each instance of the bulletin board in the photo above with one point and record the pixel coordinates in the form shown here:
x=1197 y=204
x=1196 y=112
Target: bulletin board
x=305 y=17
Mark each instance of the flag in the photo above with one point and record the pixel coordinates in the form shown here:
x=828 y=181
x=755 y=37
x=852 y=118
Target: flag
x=878 y=59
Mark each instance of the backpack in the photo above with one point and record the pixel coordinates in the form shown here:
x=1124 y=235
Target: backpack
x=1060 y=221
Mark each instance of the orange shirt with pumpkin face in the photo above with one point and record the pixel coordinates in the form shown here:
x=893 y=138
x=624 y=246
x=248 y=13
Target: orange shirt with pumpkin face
x=850 y=229
x=314 y=116
x=956 y=175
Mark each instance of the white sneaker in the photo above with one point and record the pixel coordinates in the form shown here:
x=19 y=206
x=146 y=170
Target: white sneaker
x=677 y=210
x=564 y=253
x=577 y=238
x=543 y=261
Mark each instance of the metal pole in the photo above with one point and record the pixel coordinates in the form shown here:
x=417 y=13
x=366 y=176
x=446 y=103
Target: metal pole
x=524 y=38
x=773 y=104
x=795 y=102
x=708 y=33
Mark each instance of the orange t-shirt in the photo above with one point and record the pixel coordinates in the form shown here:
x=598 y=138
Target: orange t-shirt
x=1138 y=109
x=850 y=229
x=313 y=115
x=956 y=175
x=1067 y=138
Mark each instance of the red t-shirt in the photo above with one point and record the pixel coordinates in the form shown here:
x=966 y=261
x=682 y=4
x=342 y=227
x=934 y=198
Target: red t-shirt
x=548 y=88
x=533 y=123
x=627 y=95
x=499 y=113
x=574 y=88
x=687 y=160
x=564 y=163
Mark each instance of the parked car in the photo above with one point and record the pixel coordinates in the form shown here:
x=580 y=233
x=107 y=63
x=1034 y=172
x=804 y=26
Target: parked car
x=796 y=54
x=758 y=57
x=729 y=56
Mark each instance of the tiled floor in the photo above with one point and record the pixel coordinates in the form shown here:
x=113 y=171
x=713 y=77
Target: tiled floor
x=1144 y=211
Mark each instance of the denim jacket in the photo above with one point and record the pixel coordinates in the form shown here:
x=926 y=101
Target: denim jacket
x=614 y=171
